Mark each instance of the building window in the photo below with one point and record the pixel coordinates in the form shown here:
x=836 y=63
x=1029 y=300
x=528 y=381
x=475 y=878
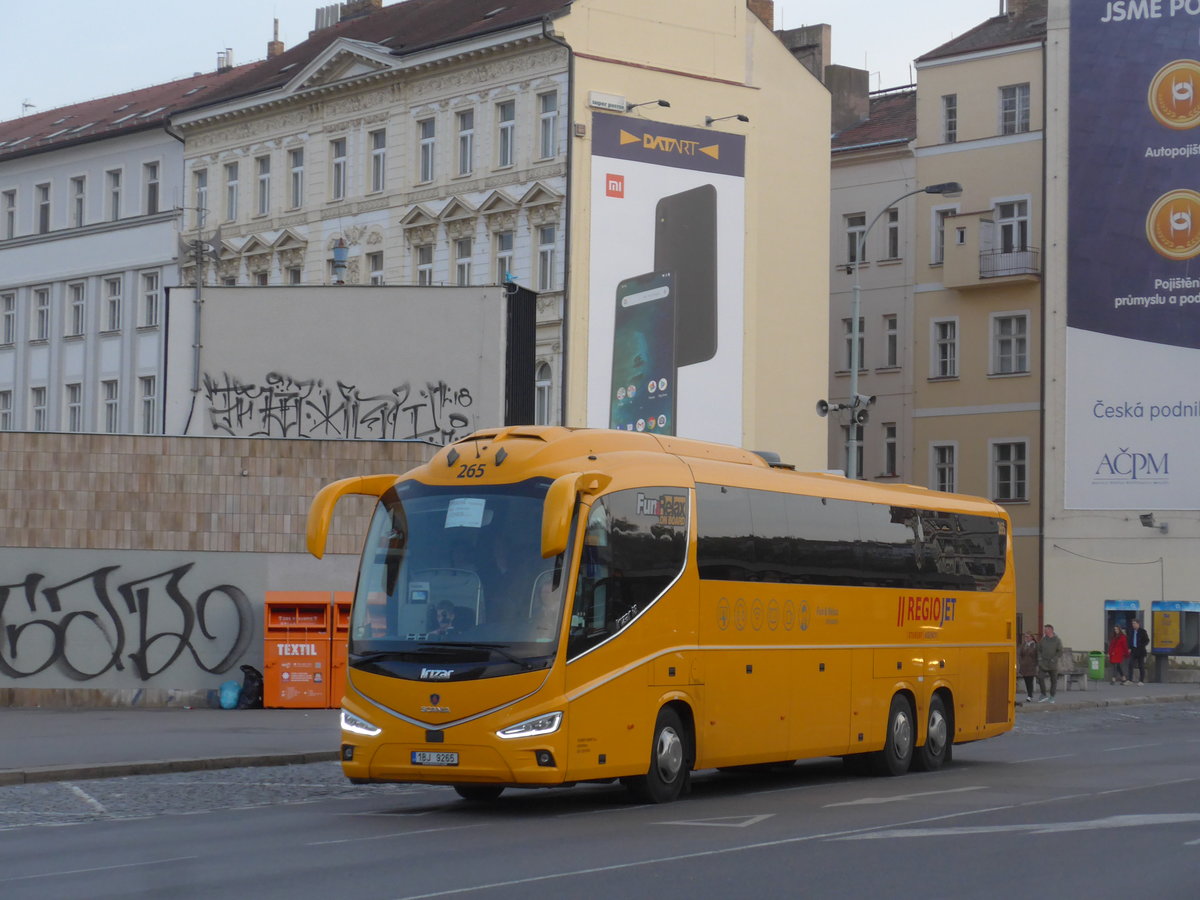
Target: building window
x=466 y=141
x=200 y=189
x=294 y=275
x=37 y=403
x=541 y=400
x=938 y=241
x=462 y=261
x=378 y=160
x=548 y=125
x=43 y=208
x=889 y=448
x=150 y=298
x=504 y=257
x=229 y=280
x=506 y=123
x=891 y=336
x=296 y=161
x=10 y=214
x=425 y=264
x=112 y=304
x=944 y=475
x=848 y=337
x=150 y=187
x=149 y=391
x=426 y=129
x=112 y=406
x=41 y=314
x=6 y=419
x=1014 y=109
x=78 y=202
x=856 y=224
x=950 y=118
x=375 y=266
x=8 y=310
x=231 y=191
x=546 y=238
x=75 y=407
x=893 y=234
x=1012 y=217
x=1010 y=343
x=262 y=279
x=114 y=194
x=1008 y=471
x=945 y=348
x=337 y=174
x=262 y=167
x=77 y=298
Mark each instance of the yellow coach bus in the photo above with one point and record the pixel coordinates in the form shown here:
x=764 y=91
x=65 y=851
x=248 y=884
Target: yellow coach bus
x=542 y=606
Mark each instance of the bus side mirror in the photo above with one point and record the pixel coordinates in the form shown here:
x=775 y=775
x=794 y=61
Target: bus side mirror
x=560 y=503
x=320 y=511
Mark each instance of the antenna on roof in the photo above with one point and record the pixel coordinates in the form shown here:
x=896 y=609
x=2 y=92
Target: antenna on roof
x=26 y=106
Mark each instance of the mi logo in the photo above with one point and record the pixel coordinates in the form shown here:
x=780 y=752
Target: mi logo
x=670 y=145
x=614 y=186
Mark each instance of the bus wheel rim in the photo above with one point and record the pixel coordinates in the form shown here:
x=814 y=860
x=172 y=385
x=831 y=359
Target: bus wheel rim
x=901 y=736
x=937 y=732
x=668 y=757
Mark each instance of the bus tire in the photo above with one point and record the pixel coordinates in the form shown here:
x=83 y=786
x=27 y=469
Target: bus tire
x=939 y=738
x=479 y=793
x=897 y=753
x=670 y=768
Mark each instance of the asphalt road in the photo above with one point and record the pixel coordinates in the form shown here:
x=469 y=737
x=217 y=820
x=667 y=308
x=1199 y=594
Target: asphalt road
x=1099 y=803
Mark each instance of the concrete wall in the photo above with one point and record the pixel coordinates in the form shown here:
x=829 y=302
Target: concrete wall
x=133 y=569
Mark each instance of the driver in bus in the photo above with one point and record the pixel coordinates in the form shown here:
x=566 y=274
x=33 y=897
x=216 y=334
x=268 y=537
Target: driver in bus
x=445 y=625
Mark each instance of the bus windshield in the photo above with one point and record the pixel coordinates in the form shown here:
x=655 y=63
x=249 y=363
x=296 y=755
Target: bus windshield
x=456 y=575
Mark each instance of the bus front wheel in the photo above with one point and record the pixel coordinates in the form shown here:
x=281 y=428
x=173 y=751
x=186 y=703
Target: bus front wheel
x=670 y=762
x=897 y=753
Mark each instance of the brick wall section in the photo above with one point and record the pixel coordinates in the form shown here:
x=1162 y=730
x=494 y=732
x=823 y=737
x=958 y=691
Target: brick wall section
x=125 y=492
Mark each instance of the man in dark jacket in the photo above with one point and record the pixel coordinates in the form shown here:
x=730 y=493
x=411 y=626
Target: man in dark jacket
x=1050 y=648
x=1139 y=644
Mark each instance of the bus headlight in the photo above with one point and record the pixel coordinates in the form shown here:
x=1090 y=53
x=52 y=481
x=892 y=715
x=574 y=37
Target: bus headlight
x=547 y=724
x=358 y=725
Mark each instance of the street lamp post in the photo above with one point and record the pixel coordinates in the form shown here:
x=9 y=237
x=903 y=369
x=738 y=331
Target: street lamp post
x=945 y=188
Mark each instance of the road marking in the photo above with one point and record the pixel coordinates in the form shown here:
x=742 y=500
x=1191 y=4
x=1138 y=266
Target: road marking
x=1044 y=758
x=86 y=798
x=393 y=834
x=150 y=862
x=722 y=821
x=1110 y=822
x=873 y=801
x=1130 y=747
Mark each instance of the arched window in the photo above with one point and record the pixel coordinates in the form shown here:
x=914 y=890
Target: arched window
x=541 y=403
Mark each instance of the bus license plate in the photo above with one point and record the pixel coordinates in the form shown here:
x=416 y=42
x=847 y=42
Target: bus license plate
x=425 y=758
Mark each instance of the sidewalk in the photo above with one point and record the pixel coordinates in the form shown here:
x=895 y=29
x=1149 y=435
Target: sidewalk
x=68 y=744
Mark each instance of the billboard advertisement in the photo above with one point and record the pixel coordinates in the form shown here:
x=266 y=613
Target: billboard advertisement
x=1133 y=301
x=665 y=314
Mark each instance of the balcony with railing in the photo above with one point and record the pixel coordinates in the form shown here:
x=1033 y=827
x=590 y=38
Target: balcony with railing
x=972 y=259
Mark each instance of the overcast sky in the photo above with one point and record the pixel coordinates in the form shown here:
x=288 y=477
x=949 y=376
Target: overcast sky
x=75 y=50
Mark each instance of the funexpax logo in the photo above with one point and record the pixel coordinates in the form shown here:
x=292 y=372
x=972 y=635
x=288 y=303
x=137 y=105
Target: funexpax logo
x=1127 y=465
x=1174 y=98
x=669 y=509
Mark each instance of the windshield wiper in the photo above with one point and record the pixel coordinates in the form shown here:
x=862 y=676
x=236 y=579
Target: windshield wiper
x=494 y=648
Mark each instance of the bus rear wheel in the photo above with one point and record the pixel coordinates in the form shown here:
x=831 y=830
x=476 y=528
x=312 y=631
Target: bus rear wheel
x=479 y=793
x=670 y=762
x=939 y=738
x=897 y=753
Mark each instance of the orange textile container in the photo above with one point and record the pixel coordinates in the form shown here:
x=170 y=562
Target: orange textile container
x=338 y=649
x=296 y=638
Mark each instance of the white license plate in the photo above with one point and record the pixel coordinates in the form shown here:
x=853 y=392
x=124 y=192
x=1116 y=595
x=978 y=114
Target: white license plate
x=425 y=758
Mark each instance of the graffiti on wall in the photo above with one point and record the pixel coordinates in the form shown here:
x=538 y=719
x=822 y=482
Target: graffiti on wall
x=285 y=406
x=99 y=623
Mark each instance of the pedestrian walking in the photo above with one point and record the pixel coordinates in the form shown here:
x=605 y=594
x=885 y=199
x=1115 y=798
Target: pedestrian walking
x=1118 y=652
x=1027 y=660
x=1139 y=643
x=1050 y=648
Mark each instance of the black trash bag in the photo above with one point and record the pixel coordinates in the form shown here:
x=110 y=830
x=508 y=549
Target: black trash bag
x=251 y=696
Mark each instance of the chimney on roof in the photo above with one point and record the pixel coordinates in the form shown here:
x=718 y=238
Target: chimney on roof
x=765 y=10
x=354 y=9
x=810 y=46
x=275 y=46
x=225 y=59
x=1014 y=8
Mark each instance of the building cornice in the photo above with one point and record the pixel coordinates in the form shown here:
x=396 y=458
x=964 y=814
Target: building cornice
x=990 y=53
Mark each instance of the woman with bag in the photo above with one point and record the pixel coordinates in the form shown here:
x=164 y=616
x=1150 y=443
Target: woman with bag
x=1118 y=652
